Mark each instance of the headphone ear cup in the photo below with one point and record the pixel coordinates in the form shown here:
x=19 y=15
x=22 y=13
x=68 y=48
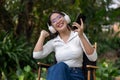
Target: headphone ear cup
x=67 y=18
x=51 y=29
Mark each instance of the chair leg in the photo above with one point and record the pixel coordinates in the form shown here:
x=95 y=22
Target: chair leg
x=94 y=75
x=39 y=73
x=88 y=75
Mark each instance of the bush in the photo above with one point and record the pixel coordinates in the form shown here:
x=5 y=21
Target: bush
x=107 y=70
x=15 y=53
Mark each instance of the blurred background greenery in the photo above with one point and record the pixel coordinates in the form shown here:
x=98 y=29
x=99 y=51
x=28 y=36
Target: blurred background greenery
x=22 y=20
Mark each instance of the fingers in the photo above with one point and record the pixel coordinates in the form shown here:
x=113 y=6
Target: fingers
x=44 y=33
x=81 y=22
x=80 y=28
x=76 y=24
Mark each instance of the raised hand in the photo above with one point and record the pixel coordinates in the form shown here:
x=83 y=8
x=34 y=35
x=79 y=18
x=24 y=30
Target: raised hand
x=44 y=33
x=80 y=28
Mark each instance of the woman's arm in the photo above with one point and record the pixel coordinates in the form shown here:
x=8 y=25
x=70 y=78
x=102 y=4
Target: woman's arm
x=39 y=44
x=87 y=47
x=40 y=50
x=93 y=55
x=80 y=28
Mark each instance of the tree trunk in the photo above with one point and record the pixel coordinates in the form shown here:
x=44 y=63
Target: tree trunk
x=30 y=22
x=25 y=20
x=5 y=19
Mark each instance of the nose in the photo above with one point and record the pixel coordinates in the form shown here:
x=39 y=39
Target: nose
x=58 y=21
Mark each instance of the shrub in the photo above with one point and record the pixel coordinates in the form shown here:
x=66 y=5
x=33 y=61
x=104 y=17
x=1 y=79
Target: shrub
x=15 y=53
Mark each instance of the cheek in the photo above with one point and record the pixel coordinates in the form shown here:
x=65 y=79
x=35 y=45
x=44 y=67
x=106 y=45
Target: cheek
x=54 y=26
x=65 y=22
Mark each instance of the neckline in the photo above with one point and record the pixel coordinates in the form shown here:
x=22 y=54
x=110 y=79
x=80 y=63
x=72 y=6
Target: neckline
x=72 y=35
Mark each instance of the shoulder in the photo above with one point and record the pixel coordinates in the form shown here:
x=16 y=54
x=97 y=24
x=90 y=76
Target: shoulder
x=73 y=34
x=52 y=40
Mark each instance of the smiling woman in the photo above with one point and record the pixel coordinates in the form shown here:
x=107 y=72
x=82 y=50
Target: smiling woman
x=68 y=46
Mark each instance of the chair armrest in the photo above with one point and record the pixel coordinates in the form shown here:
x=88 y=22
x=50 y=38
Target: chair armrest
x=91 y=66
x=43 y=65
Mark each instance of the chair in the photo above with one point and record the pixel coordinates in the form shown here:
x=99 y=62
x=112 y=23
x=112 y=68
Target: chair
x=89 y=67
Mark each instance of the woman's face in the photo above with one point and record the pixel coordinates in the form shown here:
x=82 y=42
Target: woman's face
x=58 y=22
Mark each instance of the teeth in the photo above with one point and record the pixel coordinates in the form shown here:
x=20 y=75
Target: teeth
x=60 y=24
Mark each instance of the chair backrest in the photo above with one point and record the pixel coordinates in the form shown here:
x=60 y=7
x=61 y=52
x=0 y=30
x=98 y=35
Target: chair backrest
x=86 y=62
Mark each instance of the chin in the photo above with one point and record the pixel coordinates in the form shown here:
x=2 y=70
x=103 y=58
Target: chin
x=63 y=29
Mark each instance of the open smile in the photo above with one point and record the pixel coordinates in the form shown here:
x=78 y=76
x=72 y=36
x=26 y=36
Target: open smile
x=59 y=25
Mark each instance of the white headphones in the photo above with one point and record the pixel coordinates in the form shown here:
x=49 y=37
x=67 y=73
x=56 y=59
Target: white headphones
x=52 y=29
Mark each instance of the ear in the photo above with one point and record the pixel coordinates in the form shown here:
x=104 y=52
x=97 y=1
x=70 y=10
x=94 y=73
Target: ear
x=67 y=18
x=51 y=29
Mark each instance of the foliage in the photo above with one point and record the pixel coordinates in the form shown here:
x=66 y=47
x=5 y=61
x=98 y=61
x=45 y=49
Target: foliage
x=15 y=53
x=107 y=70
x=106 y=42
x=24 y=73
x=117 y=63
x=22 y=20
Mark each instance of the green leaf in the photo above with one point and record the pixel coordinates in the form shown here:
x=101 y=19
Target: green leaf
x=27 y=68
x=21 y=77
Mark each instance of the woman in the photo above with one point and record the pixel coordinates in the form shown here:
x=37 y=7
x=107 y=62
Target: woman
x=68 y=46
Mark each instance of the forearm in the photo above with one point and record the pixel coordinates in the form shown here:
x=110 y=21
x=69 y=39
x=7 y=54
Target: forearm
x=88 y=48
x=39 y=44
x=40 y=50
